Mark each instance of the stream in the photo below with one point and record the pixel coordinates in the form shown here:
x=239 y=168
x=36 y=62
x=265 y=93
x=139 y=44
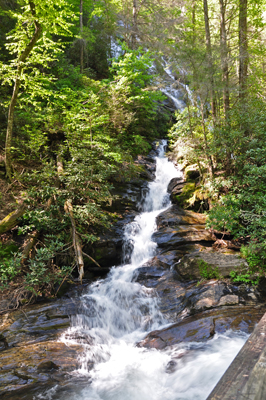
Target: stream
x=117 y=313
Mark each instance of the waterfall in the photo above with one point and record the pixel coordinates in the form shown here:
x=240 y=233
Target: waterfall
x=118 y=307
x=117 y=313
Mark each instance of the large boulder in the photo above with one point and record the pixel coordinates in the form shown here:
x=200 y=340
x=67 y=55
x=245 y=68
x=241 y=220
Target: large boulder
x=178 y=225
x=198 y=265
x=174 y=182
x=175 y=216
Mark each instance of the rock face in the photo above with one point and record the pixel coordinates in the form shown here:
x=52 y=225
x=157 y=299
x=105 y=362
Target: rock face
x=129 y=196
x=194 y=265
x=175 y=183
x=182 y=299
x=198 y=311
x=203 y=326
x=197 y=308
x=178 y=227
x=32 y=356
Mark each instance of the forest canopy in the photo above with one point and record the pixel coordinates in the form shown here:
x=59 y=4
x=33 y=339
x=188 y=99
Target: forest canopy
x=81 y=96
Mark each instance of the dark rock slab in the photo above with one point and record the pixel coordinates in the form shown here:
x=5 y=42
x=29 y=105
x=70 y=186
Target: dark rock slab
x=173 y=183
x=33 y=356
x=203 y=326
x=175 y=216
x=173 y=237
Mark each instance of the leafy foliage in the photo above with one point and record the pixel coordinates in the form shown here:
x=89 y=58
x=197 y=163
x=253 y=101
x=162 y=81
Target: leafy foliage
x=92 y=129
x=207 y=271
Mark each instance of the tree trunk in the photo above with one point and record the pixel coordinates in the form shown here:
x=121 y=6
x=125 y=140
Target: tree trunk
x=225 y=78
x=76 y=240
x=134 y=25
x=207 y=150
x=209 y=58
x=10 y=121
x=81 y=32
x=243 y=49
x=224 y=60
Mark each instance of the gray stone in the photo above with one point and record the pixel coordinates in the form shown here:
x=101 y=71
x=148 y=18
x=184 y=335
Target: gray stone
x=189 y=266
x=229 y=299
x=175 y=182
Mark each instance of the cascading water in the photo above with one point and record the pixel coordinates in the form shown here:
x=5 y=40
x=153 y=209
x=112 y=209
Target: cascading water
x=118 y=312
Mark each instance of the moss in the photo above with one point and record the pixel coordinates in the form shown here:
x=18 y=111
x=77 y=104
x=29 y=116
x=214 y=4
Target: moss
x=207 y=271
x=183 y=198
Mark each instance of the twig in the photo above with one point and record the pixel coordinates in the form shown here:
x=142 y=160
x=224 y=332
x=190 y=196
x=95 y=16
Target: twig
x=9 y=186
x=92 y=259
x=65 y=279
x=25 y=314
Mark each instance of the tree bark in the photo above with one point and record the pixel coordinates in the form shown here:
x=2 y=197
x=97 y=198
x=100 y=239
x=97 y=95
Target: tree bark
x=134 y=25
x=209 y=58
x=225 y=77
x=76 y=240
x=81 y=32
x=243 y=49
x=224 y=59
x=207 y=150
x=10 y=121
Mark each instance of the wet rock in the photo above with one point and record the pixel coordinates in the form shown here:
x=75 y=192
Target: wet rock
x=192 y=266
x=173 y=183
x=149 y=165
x=47 y=366
x=180 y=298
x=171 y=367
x=175 y=216
x=199 y=328
x=177 y=190
x=4 y=341
x=229 y=299
x=173 y=237
x=128 y=200
x=34 y=356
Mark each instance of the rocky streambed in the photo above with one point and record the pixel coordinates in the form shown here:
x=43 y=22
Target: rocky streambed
x=33 y=356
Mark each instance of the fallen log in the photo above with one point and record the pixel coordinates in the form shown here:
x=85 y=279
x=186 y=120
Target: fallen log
x=10 y=221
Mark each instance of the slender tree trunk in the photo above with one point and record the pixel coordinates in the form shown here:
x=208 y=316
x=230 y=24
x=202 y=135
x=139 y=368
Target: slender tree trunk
x=20 y=65
x=81 y=32
x=134 y=25
x=224 y=60
x=225 y=77
x=207 y=150
x=209 y=56
x=194 y=20
x=243 y=49
x=189 y=121
x=76 y=240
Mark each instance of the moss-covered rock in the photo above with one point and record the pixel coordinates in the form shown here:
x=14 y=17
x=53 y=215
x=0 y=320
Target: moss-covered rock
x=198 y=265
x=192 y=173
x=181 y=197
